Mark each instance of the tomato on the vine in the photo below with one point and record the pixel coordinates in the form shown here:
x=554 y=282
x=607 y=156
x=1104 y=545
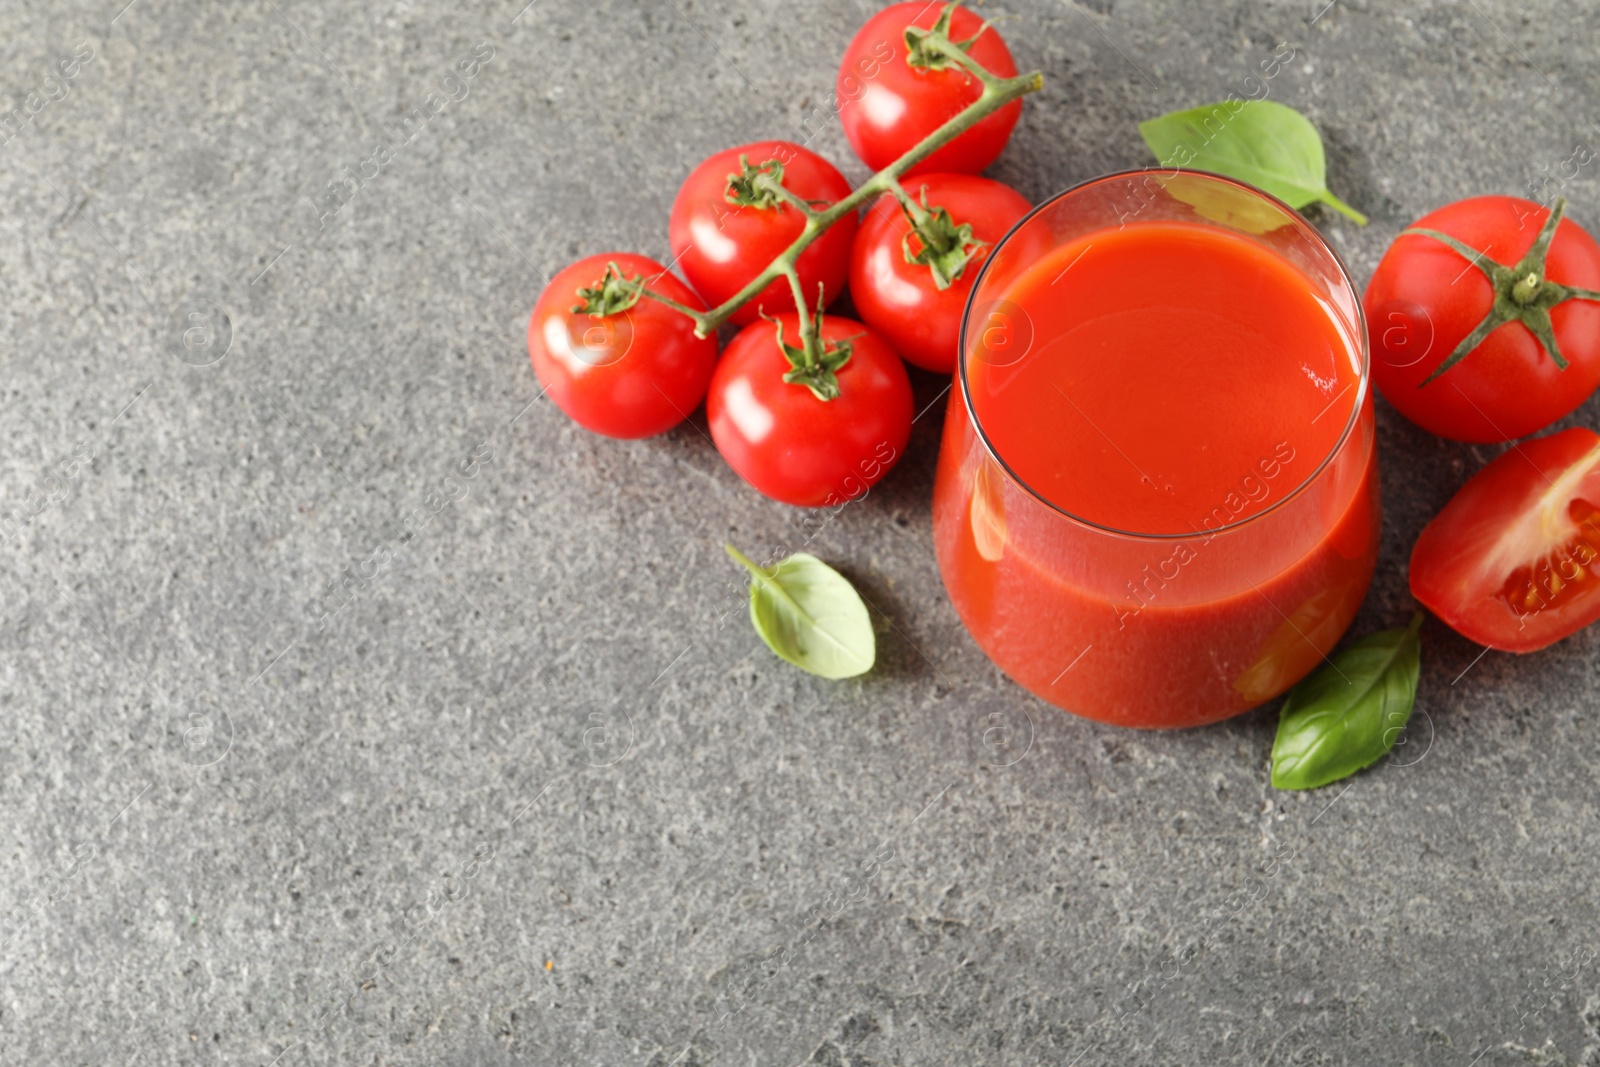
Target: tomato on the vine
x=726 y=227
x=619 y=363
x=1513 y=561
x=892 y=95
x=786 y=441
x=1483 y=319
x=910 y=281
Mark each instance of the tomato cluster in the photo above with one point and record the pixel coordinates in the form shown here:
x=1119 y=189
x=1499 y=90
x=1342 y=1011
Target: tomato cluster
x=808 y=406
x=1484 y=323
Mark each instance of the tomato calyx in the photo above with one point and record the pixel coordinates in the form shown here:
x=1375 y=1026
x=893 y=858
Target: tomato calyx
x=614 y=294
x=814 y=363
x=932 y=49
x=746 y=189
x=946 y=247
x=1522 y=292
x=761 y=186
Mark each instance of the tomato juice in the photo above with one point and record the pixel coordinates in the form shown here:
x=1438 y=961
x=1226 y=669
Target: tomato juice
x=1156 y=502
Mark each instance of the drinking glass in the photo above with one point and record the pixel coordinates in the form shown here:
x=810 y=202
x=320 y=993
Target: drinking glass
x=1165 y=629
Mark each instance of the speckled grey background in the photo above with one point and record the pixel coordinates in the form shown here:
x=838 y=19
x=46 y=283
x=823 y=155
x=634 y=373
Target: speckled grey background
x=516 y=796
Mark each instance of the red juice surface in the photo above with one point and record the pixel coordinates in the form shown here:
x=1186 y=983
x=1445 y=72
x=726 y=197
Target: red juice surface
x=1167 y=360
x=1178 y=379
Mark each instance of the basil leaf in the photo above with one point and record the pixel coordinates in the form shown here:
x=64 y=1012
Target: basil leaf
x=810 y=615
x=1350 y=712
x=1268 y=144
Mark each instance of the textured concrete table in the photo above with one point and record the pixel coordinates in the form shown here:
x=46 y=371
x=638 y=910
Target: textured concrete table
x=361 y=709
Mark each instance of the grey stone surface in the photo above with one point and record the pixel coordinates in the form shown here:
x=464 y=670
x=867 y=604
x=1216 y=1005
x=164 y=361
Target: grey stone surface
x=521 y=799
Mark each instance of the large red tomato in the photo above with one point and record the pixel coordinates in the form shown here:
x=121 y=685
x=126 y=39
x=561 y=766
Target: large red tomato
x=791 y=444
x=723 y=237
x=887 y=105
x=1513 y=561
x=1476 y=333
x=635 y=371
x=902 y=298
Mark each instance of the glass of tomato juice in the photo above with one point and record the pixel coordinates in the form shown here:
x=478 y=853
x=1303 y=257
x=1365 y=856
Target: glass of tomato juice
x=1157 y=497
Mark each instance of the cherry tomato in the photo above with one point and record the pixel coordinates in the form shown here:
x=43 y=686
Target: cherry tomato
x=1513 y=561
x=722 y=245
x=634 y=373
x=793 y=446
x=902 y=299
x=1427 y=298
x=887 y=105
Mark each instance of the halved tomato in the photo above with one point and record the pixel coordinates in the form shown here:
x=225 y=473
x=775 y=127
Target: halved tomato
x=1513 y=561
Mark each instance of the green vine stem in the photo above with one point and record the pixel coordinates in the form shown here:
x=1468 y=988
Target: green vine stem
x=789 y=196
x=914 y=211
x=997 y=93
x=798 y=290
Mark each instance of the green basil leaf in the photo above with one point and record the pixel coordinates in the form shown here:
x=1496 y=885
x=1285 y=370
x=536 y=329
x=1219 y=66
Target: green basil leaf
x=810 y=615
x=1350 y=712
x=1268 y=144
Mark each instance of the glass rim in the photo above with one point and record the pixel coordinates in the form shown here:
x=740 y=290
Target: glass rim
x=1362 y=385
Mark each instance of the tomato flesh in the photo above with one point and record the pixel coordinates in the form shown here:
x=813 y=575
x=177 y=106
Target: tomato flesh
x=1558 y=578
x=1513 y=560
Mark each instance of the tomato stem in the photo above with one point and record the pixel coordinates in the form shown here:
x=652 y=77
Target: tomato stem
x=914 y=211
x=795 y=287
x=682 y=309
x=997 y=93
x=810 y=328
